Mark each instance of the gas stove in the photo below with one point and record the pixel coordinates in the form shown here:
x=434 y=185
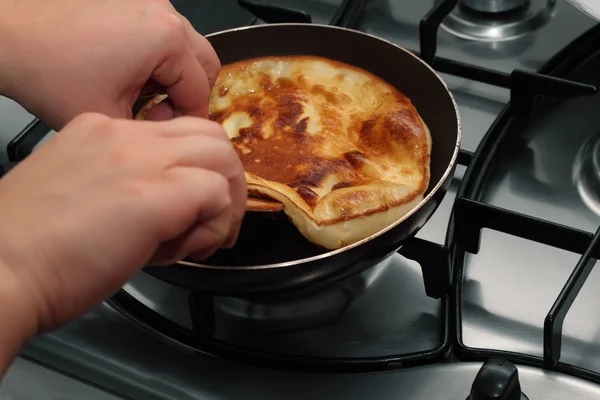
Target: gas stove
x=517 y=227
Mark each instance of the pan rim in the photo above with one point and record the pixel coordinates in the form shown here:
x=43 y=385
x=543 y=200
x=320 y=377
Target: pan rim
x=425 y=200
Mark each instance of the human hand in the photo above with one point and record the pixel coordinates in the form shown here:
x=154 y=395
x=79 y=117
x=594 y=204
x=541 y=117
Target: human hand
x=64 y=57
x=104 y=197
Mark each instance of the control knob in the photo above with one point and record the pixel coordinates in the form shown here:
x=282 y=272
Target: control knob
x=497 y=380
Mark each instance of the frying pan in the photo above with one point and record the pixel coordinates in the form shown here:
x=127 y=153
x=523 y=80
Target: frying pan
x=271 y=258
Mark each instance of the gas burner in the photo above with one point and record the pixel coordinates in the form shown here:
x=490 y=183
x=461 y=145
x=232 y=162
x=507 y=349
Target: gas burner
x=236 y=315
x=586 y=173
x=498 y=20
x=295 y=314
x=349 y=319
x=494 y=6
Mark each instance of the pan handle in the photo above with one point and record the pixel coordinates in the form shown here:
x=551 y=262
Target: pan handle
x=434 y=260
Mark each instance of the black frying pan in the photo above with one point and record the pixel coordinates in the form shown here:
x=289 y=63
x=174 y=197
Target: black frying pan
x=271 y=258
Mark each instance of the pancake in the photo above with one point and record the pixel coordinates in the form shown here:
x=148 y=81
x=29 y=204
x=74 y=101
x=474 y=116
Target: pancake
x=344 y=152
x=258 y=204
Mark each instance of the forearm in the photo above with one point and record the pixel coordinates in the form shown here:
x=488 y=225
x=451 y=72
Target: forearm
x=18 y=322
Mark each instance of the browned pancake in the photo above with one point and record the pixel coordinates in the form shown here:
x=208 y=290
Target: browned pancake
x=344 y=152
x=258 y=204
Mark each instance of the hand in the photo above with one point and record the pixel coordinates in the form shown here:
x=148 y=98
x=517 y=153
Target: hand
x=104 y=197
x=64 y=57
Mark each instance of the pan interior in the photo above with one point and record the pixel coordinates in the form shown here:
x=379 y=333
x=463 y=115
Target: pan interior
x=269 y=238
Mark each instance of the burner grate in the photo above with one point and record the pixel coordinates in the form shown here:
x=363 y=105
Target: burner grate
x=470 y=215
x=433 y=259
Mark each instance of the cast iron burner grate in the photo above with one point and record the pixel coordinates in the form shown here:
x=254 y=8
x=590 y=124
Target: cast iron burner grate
x=468 y=218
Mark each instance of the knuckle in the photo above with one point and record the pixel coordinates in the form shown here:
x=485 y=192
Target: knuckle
x=143 y=192
x=217 y=64
x=212 y=59
x=225 y=148
x=171 y=28
x=215 y=129
x=228 y=158
x=88 y=126
x=108 y=126
x=118 y=157
x=221 y=188
x=222 y=224
x=90 y=118
x=221 y=195
x=189 y=122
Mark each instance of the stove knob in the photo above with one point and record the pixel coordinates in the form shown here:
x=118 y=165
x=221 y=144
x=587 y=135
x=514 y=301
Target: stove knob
x=497 y=380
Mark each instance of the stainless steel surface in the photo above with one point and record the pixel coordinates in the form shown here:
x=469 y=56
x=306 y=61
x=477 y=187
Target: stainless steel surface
x=140 y=365
x=493 y=6
x=365 y=328
x=26 y=380
x=586 y=172
x=511 y=284
x=243 y=316
x=590 y=7
x=478 y=103
x=495 y=27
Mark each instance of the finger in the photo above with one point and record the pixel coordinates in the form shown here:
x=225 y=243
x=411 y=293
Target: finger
x=189 y=197
x=204 y=52
x=204 y=144
x=239 y=197
x=185 y=83
x=189 y=126
x=200 y=242
x=199 y=143
x=209 y=151
x=220 y=157
x=201 y=151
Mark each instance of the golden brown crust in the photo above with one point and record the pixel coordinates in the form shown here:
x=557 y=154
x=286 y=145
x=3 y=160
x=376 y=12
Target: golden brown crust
x=340 y=148
x=264 y=205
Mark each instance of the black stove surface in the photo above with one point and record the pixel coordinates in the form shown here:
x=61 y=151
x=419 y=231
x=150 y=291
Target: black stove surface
x=208 y=16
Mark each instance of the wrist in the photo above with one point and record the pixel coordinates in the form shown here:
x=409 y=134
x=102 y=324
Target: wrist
x=19 y=320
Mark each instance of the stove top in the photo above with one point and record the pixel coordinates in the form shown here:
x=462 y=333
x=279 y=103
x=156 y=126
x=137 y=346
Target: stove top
x=149 y=368
x=151 y=340
x=355 y=319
